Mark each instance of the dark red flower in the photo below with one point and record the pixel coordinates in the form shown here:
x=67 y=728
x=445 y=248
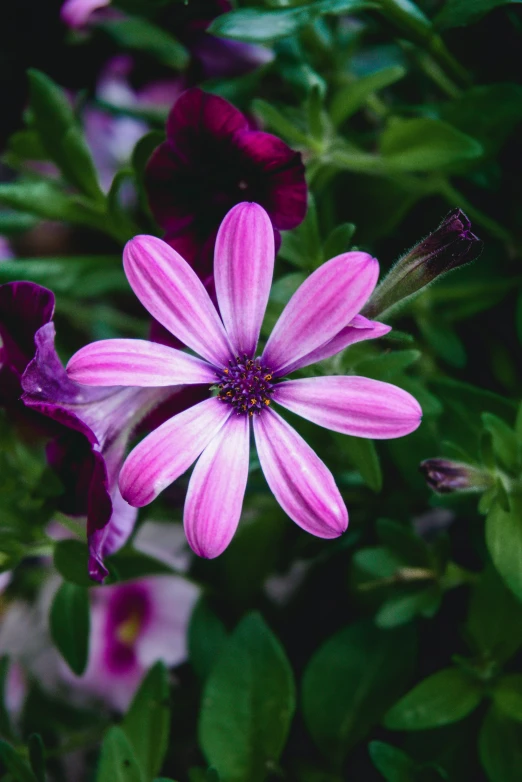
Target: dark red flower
x=211 y=161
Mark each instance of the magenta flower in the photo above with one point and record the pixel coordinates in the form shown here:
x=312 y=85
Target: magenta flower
x=211 y=161
x=76 y=13
x=319 y=320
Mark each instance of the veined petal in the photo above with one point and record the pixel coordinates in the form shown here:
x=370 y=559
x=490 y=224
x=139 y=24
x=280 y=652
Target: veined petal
x=171 y=291
x=216 y=489
x=301 y=483
x=359 y=329
x=352 y=405
x=243 y=269
x=169 y=450
x=320 y=308
x=136 y=362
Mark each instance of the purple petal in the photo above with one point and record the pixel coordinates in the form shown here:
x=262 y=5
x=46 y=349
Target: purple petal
x=76 y=13
x=320 y=308
x=216 y=489
x=136 y=362
x=352 y=405
x=170 y=450
x=171 y=291
x=198 y=113
x=359 y=329
x=243 y=269
x=301 y=483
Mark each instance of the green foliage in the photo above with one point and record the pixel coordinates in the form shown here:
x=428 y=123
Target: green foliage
x=37 y=756
x=117 y=760
x=18 y=768
x=69 y=624
x=141 y=35
x=458 y=13
x=500 y=747
x=504 y=541
x=207 y=637
x=426 y=145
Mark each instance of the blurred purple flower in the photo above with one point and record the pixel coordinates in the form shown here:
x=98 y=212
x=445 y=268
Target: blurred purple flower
x=211 y=161
x=315 y=324
x=6 y=252
x=77 y=13
x=133 y=625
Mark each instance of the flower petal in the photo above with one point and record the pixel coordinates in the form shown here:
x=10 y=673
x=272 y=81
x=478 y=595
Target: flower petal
x=171 y=291
x=359 y=329
x=243 y=269
x=326 y=301
x=136 y=362
x=352 y=405
x=169 y=450
x=301 y=482
x=216 y=489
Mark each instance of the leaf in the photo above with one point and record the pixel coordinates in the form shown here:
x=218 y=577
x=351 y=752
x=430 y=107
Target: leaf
x=133 y=32
x=82 y=276
x=363 y=455
x=459 y=13
x=37 y=756
x=404 y=543
x=302 y=246
x=394 y=764
x=504 y=542
x=500 y=747
x=279 y=123
x=352 y=97
x=47 y=200
x=70 y=560
x=387 y=365
x=507 y=695
x=495 y=618
x=13 y=763
x=147 y=722
x=248 y=704
x=351 y=681
x=401 y=609
x=443 y=339
x=424 y=144
x=338 y=241
x=53 y=118
x=207 y=636
x=443 y=698
x=505 y=445
x=6 y=729
x=117 y=760
x=69 y=623
x=377 y=561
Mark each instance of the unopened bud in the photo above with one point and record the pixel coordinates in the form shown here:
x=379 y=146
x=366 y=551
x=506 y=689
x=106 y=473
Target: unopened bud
x=451 y=245
x=445 y=476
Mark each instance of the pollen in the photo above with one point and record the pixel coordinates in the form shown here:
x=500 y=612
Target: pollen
x=245 y=384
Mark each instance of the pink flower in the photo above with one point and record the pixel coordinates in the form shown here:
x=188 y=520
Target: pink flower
x=319 y=320
x=76 y=13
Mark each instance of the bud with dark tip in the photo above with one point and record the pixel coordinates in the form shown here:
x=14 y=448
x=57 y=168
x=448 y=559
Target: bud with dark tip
x=445 y=476
x=451 y=245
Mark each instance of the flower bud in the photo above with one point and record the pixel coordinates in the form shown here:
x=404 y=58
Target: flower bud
x=445 y=476
x=451 y=245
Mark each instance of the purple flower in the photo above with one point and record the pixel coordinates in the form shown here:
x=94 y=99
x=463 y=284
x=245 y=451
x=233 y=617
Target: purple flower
x=133 y=625
x=211 y=161
x=319 y=320
x=76 y=13
x=445 y=476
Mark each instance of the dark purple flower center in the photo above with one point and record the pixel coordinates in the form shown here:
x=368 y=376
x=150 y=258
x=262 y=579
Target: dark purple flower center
x=245 y=384
x=128 y=614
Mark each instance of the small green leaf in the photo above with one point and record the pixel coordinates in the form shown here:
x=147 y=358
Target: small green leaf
x=505 y=445
x=277 y=122
x=377 y=561
x=363 y=455
x=206 y=638
x=37 y=756
x=401 y=609
x=70 y=560
x=425 y=144
x=82 y=276
x=351 y=97
x=504 y=541
x=445 y=697
x=388 y=365
x=117 y=760
x=508 y=696
x=13 y=763
x=47 y=200
x=248 y=704
x=394 y=764
x=495 y=618
x=404 y=543
x=500 y=747
x=140 y=34
x=460 y=13
x=69 y=622
x=338 y=241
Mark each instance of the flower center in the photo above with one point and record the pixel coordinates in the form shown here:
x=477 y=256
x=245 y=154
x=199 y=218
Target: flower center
x=245 y=384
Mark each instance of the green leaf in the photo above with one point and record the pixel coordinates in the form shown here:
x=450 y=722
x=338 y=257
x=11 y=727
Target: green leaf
x=6 y=729
x=424 y=144
x=36 y=749
x=47 y=200
x=500 y=747
x=507 y=695
x=13 y=763
x=147 y=723
x=505 y=445
x=352 y=97
x=141 y=35
x=404 y=543
x=394 y=764
x=400 y=609
x=377 y=561
x=248 y=704
x=279 y=123
x=82 y=276
x=69 y=623
x=350 y=682
x=443 y=339
x=504 y=541
x=495 y=618
x=257 y=25
x=443 y=698
x=363 y=455
x=53 y=118
x=338 y=241
x=459 y=13
x=302 y=246
x=388 y=365
x=207 y=636
x=117 y=760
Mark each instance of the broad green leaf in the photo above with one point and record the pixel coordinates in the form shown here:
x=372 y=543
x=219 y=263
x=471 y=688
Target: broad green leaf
x=117 y=760
x=377 y=561
x=279 y=123
x=338 y=241
x=13 y=223
x=388 y=365
x=504 y=541
x=400 y=609
x=351 y=97
x=83 y=277
x=248 y=704
x=363 y=455
x=302 y=246
x=500 y=747
x=207 y=636
x=36 y=749
x=47 y=200
x=12 y=762
x=350 y=682
x=507 y=695
x=505 y=445
x=394 y=764
x=142 y=35
x=424 y=144
x=459 y=13
x=147 y=722
x=494 y=620
x=69 y=623
x=443 y=698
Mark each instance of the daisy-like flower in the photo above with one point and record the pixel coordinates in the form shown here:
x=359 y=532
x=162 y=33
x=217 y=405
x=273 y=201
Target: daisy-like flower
x=319 y=320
